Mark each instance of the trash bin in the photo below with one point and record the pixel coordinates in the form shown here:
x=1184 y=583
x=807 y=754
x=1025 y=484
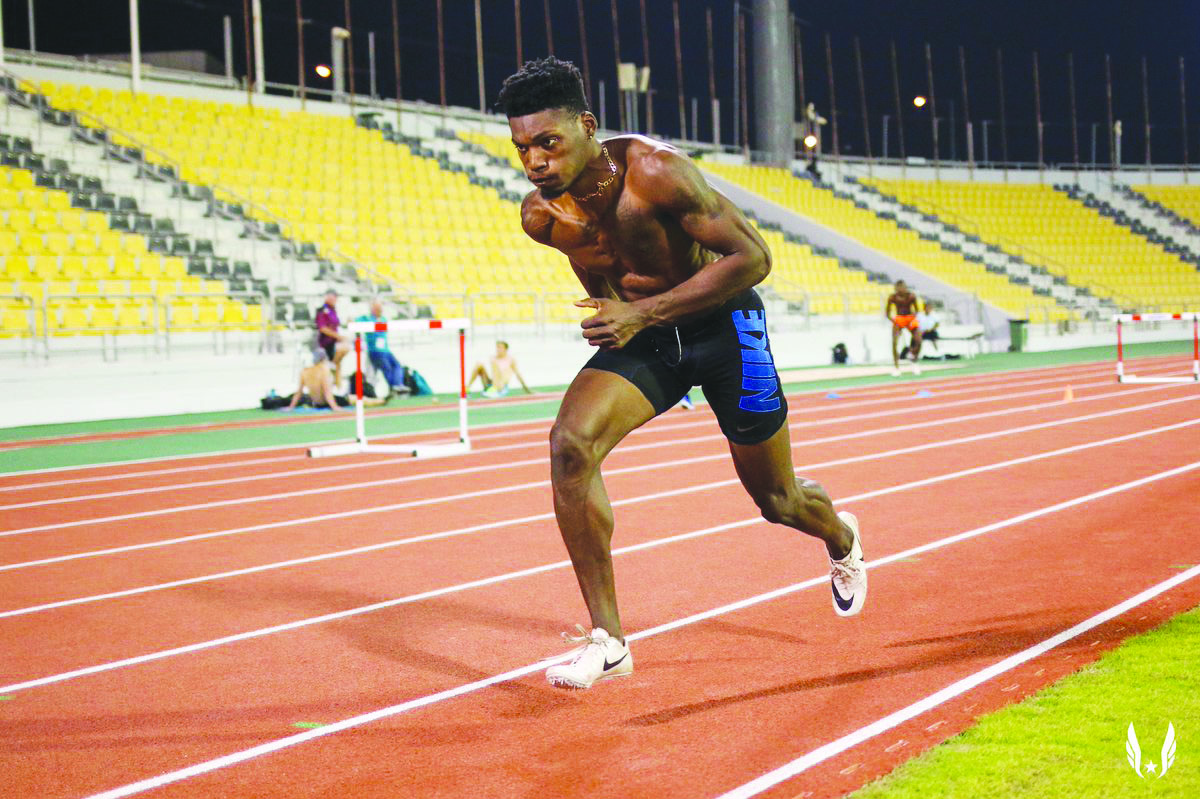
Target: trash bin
x=1018 y=334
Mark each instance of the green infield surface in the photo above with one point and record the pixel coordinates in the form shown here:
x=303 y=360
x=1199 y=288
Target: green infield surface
x=1069 y=740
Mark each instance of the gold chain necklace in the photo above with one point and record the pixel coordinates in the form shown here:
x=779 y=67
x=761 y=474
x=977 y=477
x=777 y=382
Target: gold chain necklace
x=604 y=184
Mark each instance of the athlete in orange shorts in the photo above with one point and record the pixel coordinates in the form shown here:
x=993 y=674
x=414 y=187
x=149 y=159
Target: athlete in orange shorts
x=901 y=311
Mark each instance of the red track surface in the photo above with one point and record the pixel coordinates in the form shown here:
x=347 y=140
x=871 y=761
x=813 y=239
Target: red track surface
x=711 y=705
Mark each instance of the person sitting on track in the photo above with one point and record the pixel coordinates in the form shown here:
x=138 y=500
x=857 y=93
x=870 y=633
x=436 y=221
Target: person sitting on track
x=378 y=353
x=903 y=318
x=668 y=265
x=503 y=370
x=317 y=382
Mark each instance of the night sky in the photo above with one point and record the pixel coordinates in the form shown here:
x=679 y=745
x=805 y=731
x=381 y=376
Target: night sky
x=1127 y=31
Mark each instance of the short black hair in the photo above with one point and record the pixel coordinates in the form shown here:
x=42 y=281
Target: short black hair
x=540 y=85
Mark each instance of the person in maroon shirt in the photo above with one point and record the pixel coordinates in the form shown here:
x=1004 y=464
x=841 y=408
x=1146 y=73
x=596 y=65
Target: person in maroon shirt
x=335 y=344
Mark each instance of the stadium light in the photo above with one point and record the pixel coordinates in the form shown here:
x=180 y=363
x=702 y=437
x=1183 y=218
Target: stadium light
x=323 y=70
x=919 y=101
x=810 y=141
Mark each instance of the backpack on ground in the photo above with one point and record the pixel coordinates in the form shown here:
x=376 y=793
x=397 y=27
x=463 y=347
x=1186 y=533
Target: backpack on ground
x=416 y=383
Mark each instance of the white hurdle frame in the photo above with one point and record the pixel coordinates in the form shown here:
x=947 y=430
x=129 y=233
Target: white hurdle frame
x=361 y=444
x=1125 y=318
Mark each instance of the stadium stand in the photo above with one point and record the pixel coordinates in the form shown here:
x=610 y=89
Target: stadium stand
x=94 y=278
x=387 y=203
x=822 y=205
x=1181 y=201
x=344 y=187
x=1068 y=232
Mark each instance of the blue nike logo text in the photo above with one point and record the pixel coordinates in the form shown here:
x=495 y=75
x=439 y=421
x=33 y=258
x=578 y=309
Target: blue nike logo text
x=758 y=370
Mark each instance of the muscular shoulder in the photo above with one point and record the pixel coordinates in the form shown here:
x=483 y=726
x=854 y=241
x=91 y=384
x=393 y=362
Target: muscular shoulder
x=664 y=176
x=536 y=218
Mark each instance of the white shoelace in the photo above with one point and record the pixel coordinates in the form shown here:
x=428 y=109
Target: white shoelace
x=583 y=640
x=843 y=570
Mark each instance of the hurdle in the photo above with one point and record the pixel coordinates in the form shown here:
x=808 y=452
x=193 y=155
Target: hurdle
x=1124 y=319
x=361 y=445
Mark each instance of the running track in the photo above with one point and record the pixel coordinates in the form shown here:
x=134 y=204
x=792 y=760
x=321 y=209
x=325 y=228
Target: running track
x=168 y=624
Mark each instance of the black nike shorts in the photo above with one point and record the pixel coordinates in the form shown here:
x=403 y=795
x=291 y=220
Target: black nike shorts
x=726 y=353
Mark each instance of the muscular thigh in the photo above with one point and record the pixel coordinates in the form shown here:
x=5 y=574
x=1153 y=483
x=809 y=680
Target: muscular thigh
x=602 y=407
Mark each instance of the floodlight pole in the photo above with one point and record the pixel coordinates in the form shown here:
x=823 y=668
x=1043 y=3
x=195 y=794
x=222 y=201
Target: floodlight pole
x=259 y=77
x=228 y=32
x=479 y=58
x=300 y=53
x=338 y=36
x=135 y=45
x=371 y=58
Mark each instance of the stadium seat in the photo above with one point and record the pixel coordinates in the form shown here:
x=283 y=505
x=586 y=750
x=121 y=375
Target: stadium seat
x=884 y=235
x=1050 y=229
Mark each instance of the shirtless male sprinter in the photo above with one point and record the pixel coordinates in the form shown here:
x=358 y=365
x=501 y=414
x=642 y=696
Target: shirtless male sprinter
x=668 y=265
x=904 y=317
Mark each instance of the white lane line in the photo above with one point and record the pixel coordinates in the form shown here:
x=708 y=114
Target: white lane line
x=387 y=481
x=955 y=689
x=889 y=453
x=538 y=569
x=149 y=473
x=1068 y=370
x=451 y=693
x=360 y=466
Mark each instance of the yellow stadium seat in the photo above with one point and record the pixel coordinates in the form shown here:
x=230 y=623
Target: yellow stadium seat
x=74 y=319
x=72 y=267
x=181 y=317
x=14 y=322
x=96 y=267
x=104 y=318
x=44 y=267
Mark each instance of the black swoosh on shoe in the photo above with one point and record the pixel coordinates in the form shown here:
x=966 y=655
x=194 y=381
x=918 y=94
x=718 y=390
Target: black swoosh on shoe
x=844 y=604
x=608 y=665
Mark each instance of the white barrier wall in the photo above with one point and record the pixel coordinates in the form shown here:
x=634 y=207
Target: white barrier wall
x=83 y=387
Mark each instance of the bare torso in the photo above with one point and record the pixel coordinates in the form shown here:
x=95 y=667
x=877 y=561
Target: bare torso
x=905 y=304
x=620 y=245
x=502 y=370
x=315 y=379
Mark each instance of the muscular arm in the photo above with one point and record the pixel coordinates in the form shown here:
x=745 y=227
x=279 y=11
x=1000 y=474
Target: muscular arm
x=327 y=391
x=517 y=374
x=887 y=308
x=669 y=181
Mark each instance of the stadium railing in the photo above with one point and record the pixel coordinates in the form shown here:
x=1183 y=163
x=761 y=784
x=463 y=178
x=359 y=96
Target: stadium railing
x=27 y=333
x=156 y=323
